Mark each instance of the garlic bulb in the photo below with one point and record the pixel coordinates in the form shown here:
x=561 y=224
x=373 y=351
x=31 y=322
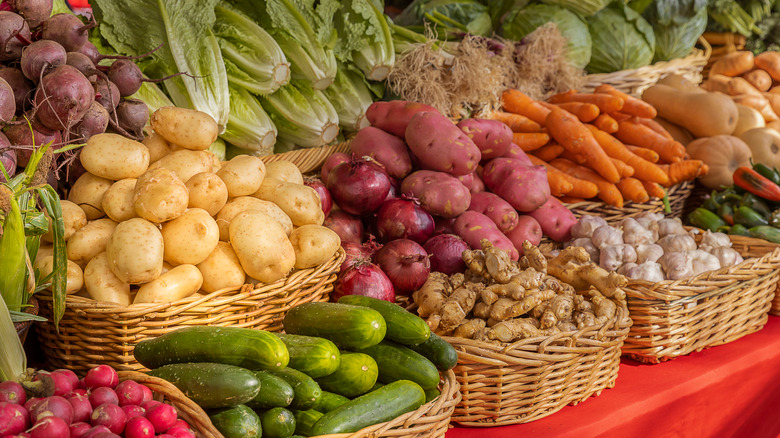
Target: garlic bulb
x=649 y=271
x=634 y=233
x=606 y=235
x=676 y=265
x=727 y=256
x=670 y=226
x=586 y=225
x=677 y=243
x=712 y=240
x=649 y=252
x=586 y=243
x=702 y=261
x=613 y=256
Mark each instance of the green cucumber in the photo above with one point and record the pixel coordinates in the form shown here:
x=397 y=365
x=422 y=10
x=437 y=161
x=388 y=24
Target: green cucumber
x=306 y=390
x=431 y=394
x=355 y=376
x=378 y=406
x=242 y=347
x=211 y=385
x=349 y=327
x=237 y=422
x=304 y=421
x=275 y=392
x=316 y=357
x=329 y=401
x=376 y=386
x=438 y=351
x=278 y=423
x=397 y=362
x=403 y=327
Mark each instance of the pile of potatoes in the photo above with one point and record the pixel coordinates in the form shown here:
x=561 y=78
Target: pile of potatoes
x=159 y=220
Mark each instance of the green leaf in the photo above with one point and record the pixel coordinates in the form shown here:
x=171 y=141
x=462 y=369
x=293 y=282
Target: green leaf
x=12 y=263
x=51 y=203
x=13 y=361
x=249 y=127
x=24 y=316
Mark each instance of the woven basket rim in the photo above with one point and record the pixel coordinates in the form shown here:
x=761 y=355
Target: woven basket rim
x=673 y=191
x=309 y=159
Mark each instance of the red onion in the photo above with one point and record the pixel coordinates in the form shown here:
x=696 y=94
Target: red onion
x=395 y=189
x=403 y=219
x=364 y=279
x=355 y=253
x=325 y=199
x=443 y=225
x=405 y=263
x=446 y=252
x=359 y=186
x=331 y=162
x=348 y=227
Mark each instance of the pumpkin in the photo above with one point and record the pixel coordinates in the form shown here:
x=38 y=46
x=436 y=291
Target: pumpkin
x=723 y=154
x=703 y=114
x=764 y=144
x=748 y=119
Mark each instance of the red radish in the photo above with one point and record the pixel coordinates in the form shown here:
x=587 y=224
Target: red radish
x=105 y=435
x=355 y=253
x=403 y=219
x=325 y=199
x=103 y=395
x=101 y=375
x=54 y=406
x=95 y=430
x=180 y=432
x=147 y=394
x=31 y=403
x=181 y=423
x=81 y=384
x=133 y=411
x=70 y=375
x=405 y=263
x=63 y=384
x=77 y=430
x=165 y=435
x=331 y=162
x=359 y=186
x=364 y=278
x=111 y=416
x=348 y=227
x=13 y=419
x=139 y=427
x=149 y=404
x=12 y=392
x=129 y=392
x=50 y=427
x=81 y=391
x=446 y=252
x=82 y=408
x=162 y=416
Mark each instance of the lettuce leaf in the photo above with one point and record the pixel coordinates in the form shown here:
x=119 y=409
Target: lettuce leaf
x=351 y=97
x=249 y=126
x=365 y=38
x=302 y=115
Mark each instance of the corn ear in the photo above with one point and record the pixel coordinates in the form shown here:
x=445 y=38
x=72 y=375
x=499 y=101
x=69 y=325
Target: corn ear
x=12 y=263
x=13 y=361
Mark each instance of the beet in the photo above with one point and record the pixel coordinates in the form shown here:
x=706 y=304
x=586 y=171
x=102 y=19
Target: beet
x=91 y=51
x=13 y=418
x=21 y=136
x=66 y=29
x=133 y=114
x=7 y=102
x=82 y=62
x=8 y=161
x=126 y=75
x=107 y=94
x=12 y=392
x=94 y=122
x=34 y=12
x=63 y=97
x=41 y=57
x=20 y=85
x=11 y=25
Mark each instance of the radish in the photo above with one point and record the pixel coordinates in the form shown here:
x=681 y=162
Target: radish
x=8 y=161
x=50 y=427
x=132 y=411
x=66 y=29
x=162 y=416
x=77 y=430
x=180 y=432
x=149 y=404
x=41 y=57
x=32 y=402
x=35 y=12
x=13 y=31
x=82 y=408
x=63 y=384
x=181 y=423
x=111 y=416
x=80 y=391
x=70 y=375
x=129 y=393
x=147 y=394
x=139 y=427
x=13 y=418
x=95 y=430
x=54 y=406
x=63 y=97
x=103 y=395
x=12 y=392
x=101 y=376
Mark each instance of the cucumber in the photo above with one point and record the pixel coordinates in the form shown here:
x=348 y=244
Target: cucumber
x=355 y=376
x=329 y=401
x=438 y=351
x=211 y=385
x=306 y=390
x=316 y=357
x=242 y=347
x=403 y=327
x=431 y=394
x=397 y=362
x=378 y=406
x=349 y=327
x=237 y=422
x=376 y=386
x=275 y=392
x=304 y=421
x=277 y=423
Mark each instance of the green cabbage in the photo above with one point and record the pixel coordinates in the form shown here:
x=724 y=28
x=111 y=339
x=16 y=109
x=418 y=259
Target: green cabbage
x=466 y=15
x=249 y=126
x=351 y=97
x=584 y=8
x=302 y=115
x=521 y=22
x=622 y=40
x=677 y=25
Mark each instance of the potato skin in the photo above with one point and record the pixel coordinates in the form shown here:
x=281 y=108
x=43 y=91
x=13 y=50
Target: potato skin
x=160 y=196
x=75 y=276
x=245 y=203
x=387 y=149
x=118 y=200
x=301 y=203
x=493 y=138
x=473 y=227
x=189 y=238
x=73 y=218
x=284 y=171
x=498 y=210
x=90 y=240
x=135 y=251
x=185 y=163
x=527 y=229
x=102 y=284
x=184 y=127
x=157 y=145
x=207 y=191
x=242 y=175
x=440 y=145
x=114 y=157
x=393 y=116
x=180 y=282
x=313 y=245
x=262 y=246
x=221 y=269
x=440 y=194
x=87 y=192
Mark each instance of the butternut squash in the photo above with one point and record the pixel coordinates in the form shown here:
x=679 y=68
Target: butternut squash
x=749 y=118
x=703 y=114
x=680 y=82
x=764 y=144
x=676 y=131
x=717 y=83
x=723 y=154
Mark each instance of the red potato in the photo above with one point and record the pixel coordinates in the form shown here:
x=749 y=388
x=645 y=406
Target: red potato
x=473 y=227
x=473 y=182
x=527 y=229
x=493 y=138
x=440 y=194
x=515 y=152
x=439 y=145
x=555 y=219
x=524 y=187
x=387 y=149
x=393 y=116
x=498 y=210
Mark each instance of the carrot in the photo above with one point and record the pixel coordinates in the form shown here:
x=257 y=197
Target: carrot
x=570 y=200
x=530 y=141
x=575 y=137
x=608 y=192
x=549 y=152
x=580 y=188
x=633 y=190
x=624 y=169
x=637 y=134
x=654 y=189
x=655 y=126
x=734 y=64
x=644 y=153
x=684 y=171
x=631 y=105
x=620 y=116
x=516 y=122
x=643 y=168
x=559 y=182
x=586 y=112
x=769 y=62
x=515 y=101
x=573 y=156
x=606 y=123
x=605 y=102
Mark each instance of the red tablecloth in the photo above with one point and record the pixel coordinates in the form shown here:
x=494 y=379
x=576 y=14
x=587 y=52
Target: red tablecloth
x=732 y=390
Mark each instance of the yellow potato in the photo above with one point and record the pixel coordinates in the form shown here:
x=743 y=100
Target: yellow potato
x=221 y=269
x=90 y=241
x=189 y=238
x=284 y=171
x=118 y=200
x=262 y=246
x=301 y=203
x=102 y=284
x=185 y=163
x=246 y=203
x=187 y=128
x=180 y=282
x=87 y=192
x=166 y=267
x=207 y=191
x=73 y=218
x=160 y=196
x=135 y=251
x=44 y=250
x=114 y=157
x=242 y=175
x=313 y=245
x=75 y=276
x=157 y=146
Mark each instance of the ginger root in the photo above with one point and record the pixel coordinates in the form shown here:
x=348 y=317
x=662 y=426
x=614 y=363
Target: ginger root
x=513 y=329
x=573 y=266
x=469 y=328
x=430 y=298
x=457 y=307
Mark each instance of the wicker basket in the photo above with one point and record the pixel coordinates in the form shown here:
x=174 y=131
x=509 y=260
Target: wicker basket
x=308 y=160
x=535 y=377
x=675 y=318
x=635 y=81
x=97 y=332
x=188 y=411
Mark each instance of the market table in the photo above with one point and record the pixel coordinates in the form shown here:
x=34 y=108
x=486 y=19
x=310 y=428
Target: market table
x=732 y=390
